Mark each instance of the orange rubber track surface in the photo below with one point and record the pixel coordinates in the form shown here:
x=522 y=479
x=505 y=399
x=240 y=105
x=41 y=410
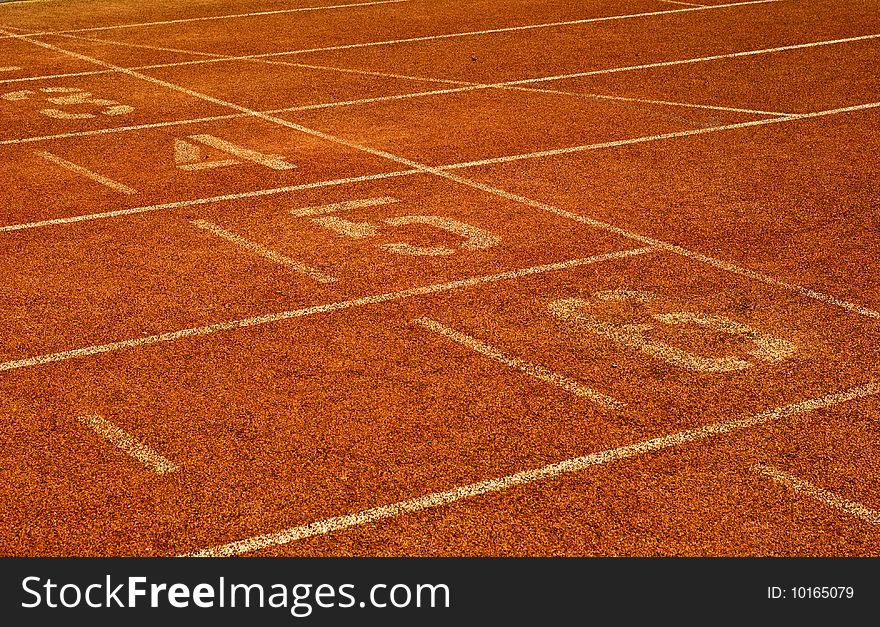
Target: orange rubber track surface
x=439 y=278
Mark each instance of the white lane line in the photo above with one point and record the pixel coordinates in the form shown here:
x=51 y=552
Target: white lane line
x=534 y=370
x=671 y=103
x=469 y=86
x=216 y=17
x=858 y=510
x=348 y=205
x=10 y=68
x=476 y=86
x=466 y=87
x=129 y=444
x=204 y=201
x=687 y=4
x=16 y=2
x=233 y=116
x=446 y=35
x=650 y=138
x=482 y=186
x=103 y=180
x=123 y=129
x=127 y=44
x=438 y=499
x=716 y=57
x=264 y=56
x=510 y=29
x=46 y=77
x=319 y=309
x=301 y=268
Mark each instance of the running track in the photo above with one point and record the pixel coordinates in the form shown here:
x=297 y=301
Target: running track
x=436 y=277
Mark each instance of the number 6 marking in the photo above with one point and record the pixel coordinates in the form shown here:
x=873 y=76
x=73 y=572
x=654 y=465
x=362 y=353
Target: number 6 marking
x=765 y=347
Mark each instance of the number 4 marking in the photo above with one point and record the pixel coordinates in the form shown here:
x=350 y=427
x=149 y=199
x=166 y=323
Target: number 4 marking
x=187 y=155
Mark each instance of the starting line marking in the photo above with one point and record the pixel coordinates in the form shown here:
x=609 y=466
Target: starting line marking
x=800 y=486
x=129 y=444
x=309 y=311
x=437 y=499
x=308 y=271
x=103 y=180
x=534 y=370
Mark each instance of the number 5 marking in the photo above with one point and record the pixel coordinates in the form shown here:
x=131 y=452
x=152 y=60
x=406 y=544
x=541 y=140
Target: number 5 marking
x=475 y=239
x=764 y=347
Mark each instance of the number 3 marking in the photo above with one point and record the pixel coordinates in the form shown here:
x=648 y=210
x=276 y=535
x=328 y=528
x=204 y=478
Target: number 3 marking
x=71 y=96
x=764 y=347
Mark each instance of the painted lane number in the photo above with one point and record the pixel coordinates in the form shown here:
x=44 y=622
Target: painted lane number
x=73 y=99
x=578 y=312
x=473 y=238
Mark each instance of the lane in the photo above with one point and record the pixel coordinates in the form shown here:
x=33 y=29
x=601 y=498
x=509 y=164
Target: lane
x=81 y=14
x=281 y=425
x=798 y=81
x=170 y=164
x=358 y=25
x=794 y=200
x=699 y=500
x=81 y=103
x=97 y=282
x=262 y=86
x=500 y=122
x=22 y=60
x=329 y=412
x=519 y=55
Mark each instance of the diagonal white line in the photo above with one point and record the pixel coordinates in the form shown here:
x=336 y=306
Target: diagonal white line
x=534 y=370
x=800 y=486
x=650 y=138
x=318 y=309
x=202 y=201
x=438 y=499
x=129 y=444
x=261 y=250
x=477 y=185
x=465 y=87
x=103 y=180
x=216 y=17
x=687 y=4
x=714 y=57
